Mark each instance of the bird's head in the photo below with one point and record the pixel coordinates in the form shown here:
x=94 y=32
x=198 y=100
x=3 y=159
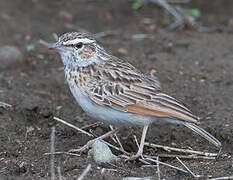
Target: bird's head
x=77 y=49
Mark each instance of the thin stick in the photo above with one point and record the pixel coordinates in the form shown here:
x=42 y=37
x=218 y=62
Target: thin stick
x=59 y=172
x=136 y=141
x=70 y=125
x=89 y=143
x=158 y=170
x=169 y=8
x=113 y=138
x=3 y=104
x=137 y=178
x=118 y=140
x=165 y=164
x=186 y=168
x=3 y=169
x=91 y=125
x=140 y=159
x=185 y=156
x=84 y=173
x=178 y=1
x=110 y=145
x=222 y=178
x=52 y=150
x=85 y=132
x=66 y=153
x=167 y=148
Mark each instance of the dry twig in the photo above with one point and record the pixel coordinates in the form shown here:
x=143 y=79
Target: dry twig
x=222 y=178
x=4 y=105
x=118 y=140
x=145 y=161
x=186 y=168
x=185 y=156
x=137 y=178
x=70 y=125
x=59 y=172
x=84 y=173
x=167 y=148
x=165 y=164
x=52 y=150
x=58 y=153
x=158 y=170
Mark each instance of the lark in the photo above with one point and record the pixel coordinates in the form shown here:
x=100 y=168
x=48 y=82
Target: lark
x=113 y=91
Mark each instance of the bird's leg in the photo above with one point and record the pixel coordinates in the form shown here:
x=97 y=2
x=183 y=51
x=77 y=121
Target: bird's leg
x=89 y=143
x=140 y=150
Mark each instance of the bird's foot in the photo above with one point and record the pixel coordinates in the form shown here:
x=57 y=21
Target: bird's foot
x=89 y=143
x=83 y=148
x=131 y=158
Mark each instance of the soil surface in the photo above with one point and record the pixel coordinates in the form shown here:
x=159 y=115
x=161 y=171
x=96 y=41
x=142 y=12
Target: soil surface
x=192 y=66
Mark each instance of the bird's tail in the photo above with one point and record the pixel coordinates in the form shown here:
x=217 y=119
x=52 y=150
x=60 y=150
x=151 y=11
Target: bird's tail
x=203 y=133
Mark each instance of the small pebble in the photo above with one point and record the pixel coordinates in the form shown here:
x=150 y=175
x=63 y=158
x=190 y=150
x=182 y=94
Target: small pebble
x=101 y=153
x=9 y=55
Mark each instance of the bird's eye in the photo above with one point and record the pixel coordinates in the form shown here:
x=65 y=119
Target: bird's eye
x=79 y=45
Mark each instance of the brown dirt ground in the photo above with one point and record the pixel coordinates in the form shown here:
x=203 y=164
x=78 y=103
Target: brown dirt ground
x=194 y=67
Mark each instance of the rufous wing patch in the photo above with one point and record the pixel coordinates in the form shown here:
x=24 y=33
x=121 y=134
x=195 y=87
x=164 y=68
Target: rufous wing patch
x=158 y=111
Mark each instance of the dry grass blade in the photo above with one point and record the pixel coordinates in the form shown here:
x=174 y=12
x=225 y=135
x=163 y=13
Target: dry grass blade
x=52 y=150
x=165 y=164
x=167 y=148
x=85 y=132
x=59 y=172
x=145 y=161
x=82 y=131
x=186 y=168
x=91 y=125
x=158 y=170
x=185 y=156
x=137 y=178
x=84 y=173
x=169 y=8
x=222 y=178
x=136 y=141
x=3 y=104
x=118 y=140
x=70 y=125
x=57 y=153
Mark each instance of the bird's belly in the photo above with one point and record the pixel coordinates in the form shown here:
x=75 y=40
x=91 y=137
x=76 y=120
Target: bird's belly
x=107 y=114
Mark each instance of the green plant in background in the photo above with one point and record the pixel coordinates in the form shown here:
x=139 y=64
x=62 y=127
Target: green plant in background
x=136 y=5
x=193 y=12
x=58 y=108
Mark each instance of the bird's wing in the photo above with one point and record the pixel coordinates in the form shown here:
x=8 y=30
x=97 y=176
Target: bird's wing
x=121 y=86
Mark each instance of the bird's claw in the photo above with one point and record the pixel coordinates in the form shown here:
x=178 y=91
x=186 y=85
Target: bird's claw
x=130 y=158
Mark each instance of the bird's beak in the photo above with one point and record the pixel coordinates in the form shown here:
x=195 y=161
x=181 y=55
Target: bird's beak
x=54 y=45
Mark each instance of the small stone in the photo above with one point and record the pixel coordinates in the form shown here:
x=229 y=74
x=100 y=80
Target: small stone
x=101 y=153
x=9 y=55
